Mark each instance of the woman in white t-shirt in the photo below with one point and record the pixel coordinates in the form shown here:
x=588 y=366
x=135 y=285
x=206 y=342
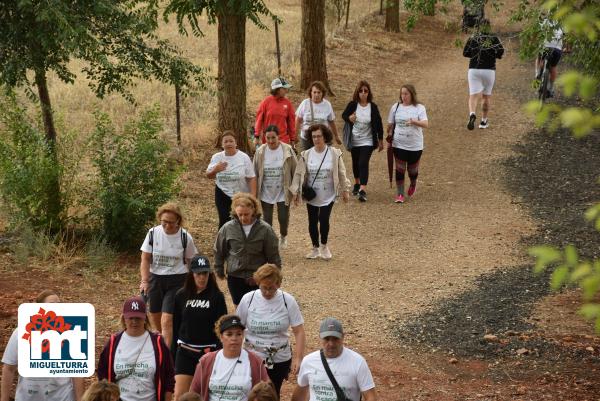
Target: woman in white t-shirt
x=274 y=165
x=315 y=110
x=232 y=171
x=166 y=251
x=35 y=388
x=268 y=313
x=406 y=121
x=322 y=168
x=137 y=359
x=230 y=373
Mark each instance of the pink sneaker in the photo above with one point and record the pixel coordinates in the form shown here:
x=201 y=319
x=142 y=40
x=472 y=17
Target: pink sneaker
x=399 y=199
x=411 y=190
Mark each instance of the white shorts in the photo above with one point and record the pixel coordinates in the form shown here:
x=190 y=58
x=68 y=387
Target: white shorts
x=481 y=81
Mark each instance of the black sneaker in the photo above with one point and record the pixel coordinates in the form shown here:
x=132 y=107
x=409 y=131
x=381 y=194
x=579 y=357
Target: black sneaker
x=362 y=196
x=355 y=189
x=483 y=124
x=471 y=124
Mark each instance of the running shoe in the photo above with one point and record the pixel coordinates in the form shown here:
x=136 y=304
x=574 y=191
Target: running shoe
x=283 y=242
x=362 y=195
x=315 y=253
x=399 y=199
x=483 y=124
x=412 y=189
x=325 y=252
x=355 y=190
x=471 y=123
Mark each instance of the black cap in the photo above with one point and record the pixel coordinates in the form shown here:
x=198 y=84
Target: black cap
x=200 y=264
x=233 y=321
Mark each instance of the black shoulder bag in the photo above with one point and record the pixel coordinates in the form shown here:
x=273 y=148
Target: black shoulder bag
x=308 y=192
x=341 y=396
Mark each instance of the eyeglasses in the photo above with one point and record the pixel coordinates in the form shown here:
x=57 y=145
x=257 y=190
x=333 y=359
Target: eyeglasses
x=168 y=223
x=317 y=136
x=363 y=91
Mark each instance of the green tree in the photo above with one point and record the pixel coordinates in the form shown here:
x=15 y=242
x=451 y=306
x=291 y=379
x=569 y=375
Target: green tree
x=581 y=22
x=230 y=17
x=115 y=39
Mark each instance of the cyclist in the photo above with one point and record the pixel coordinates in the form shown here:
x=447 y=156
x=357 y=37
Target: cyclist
x=552 y=51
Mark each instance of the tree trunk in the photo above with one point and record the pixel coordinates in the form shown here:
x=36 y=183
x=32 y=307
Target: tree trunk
x=392 y=16
x=312 y=50
x=178 y=114
x=231 y=79
x=53 y=198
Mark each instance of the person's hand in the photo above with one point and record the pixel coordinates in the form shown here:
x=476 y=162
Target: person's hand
x=144 y=286
x=410 y=121
x=346 y=196
x=221 y=166
x=380 y=146
x=295 y=366
x=297 y=200
x=352 y=117
x=221 y=275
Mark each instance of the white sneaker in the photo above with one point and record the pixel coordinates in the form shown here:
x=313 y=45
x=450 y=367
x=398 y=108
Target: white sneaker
x=325 y=252
x=283 y=242
x=315 y=253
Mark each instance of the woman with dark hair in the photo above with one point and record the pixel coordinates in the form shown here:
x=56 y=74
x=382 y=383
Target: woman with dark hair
x=274 y=165
x=36 y=389
x=245 y=243
x=232 y=372
x=233 y=172
x=315 y=110
x=198 y=306
x=322 y=168
x=137 y=359
x=102 y=391
x=367 y=135
x=406 y=121
x=276 y=109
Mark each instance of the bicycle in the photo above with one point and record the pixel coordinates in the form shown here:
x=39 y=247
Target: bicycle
x=544 y=78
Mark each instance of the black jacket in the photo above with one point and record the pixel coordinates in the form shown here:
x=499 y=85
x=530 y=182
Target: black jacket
x=483 y=50
x=376 y=124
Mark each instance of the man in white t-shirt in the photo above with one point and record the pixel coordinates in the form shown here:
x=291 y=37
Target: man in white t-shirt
x=349 y=369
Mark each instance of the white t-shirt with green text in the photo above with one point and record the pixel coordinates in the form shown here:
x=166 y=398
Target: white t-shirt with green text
x=167 y=251
x=233 y=179
x=268 y=322
x=135 y=367
x=407 y=137
x=349 y=369
x=272 y=183
x=323 y=184
x=361 y=130
x=231 y=378
x=322 y=113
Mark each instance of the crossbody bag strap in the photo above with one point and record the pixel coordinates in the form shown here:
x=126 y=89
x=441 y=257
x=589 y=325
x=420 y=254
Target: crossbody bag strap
x=341 y=396
x=312 y=113
x=394 y=127
x=319 y=169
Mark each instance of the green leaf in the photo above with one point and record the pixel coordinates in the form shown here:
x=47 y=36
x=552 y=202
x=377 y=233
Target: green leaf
x=590 y=311
x=545 y=255
x=580 y=272
x=568 y=82
x=571 y=256
x=559 y=277
x=587 y=87
x=590 y=286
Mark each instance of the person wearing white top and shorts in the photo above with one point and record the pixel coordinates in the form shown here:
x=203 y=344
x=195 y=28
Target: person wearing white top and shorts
x=166 y=251
x=349 y=369
x=315 y=110
x=233 y=172
x=268 y=313
x=553 y=50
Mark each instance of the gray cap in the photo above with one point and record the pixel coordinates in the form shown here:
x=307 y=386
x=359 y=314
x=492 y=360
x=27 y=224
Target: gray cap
x=280 y=83
x=331 y=327
x=200 y=264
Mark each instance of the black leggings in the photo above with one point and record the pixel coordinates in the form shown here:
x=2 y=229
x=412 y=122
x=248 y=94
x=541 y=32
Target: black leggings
x=360 y=162
x=318 y=216
x=279 y=373
x=223 y=204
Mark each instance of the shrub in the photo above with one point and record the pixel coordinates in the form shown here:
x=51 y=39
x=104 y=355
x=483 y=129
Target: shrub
x=28 y=169
x=135 y=176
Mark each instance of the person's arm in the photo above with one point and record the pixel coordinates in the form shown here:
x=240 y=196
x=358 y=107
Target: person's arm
x=369 y=395
x=348 y=111
x=300 y=337
x=78 y=387
x=252 y=185
x=418 y=123
x=499 y=48
x=168 y=370
x=291 y=123
x=168 y=396
x=334 y=130
x=145 y=271
x=468 y=50
x=258 y=126
x=177 y=319
x=220 y=252
x=9 y=372
x=271 y=248
x=298 y=125
x=212 y=172
x=344 y=183
x=300 y=393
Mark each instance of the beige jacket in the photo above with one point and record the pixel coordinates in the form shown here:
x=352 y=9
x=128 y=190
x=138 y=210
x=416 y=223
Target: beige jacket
x=289 y=166
x=340 y=181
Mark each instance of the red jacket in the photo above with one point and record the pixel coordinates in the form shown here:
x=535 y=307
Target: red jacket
x=205 y=367
x=164 y=378
x=277 y=111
